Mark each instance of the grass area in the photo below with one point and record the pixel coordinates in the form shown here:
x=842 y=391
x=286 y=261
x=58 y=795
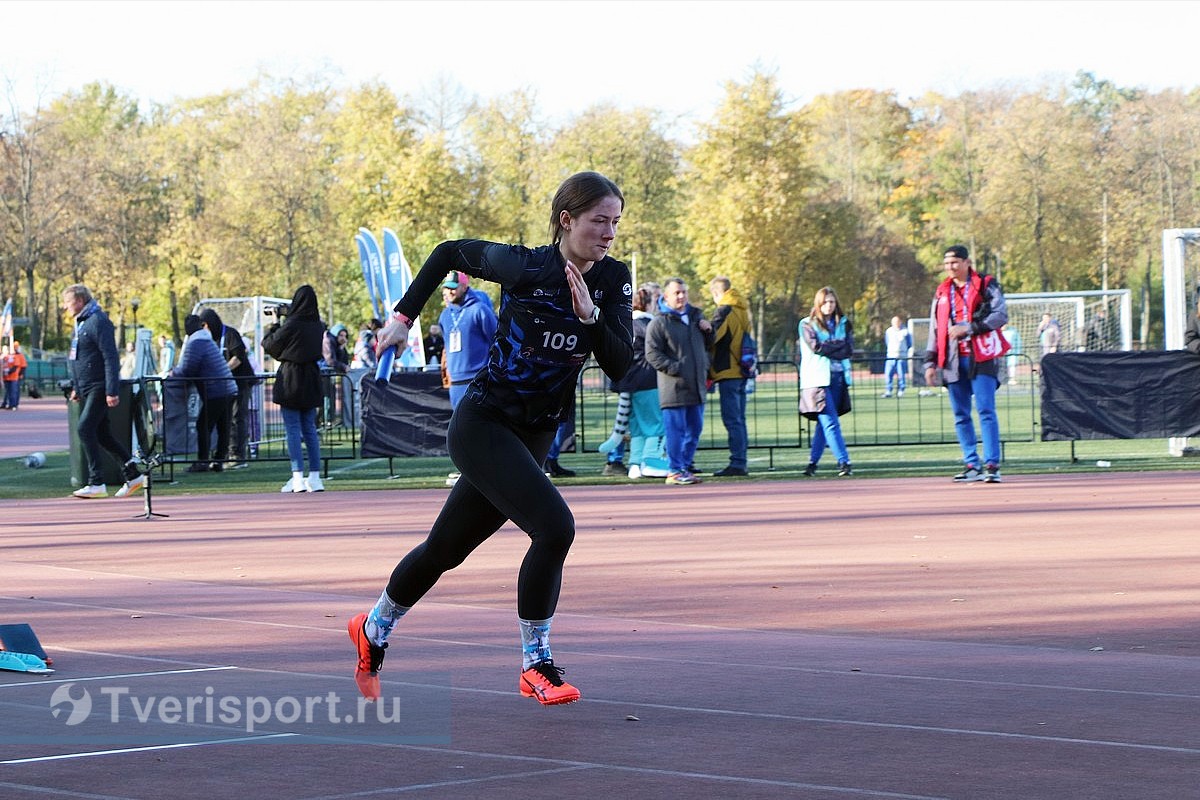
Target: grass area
x=54 y=480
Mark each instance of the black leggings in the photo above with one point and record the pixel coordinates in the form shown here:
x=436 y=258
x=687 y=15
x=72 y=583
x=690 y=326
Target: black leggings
x=502 y=479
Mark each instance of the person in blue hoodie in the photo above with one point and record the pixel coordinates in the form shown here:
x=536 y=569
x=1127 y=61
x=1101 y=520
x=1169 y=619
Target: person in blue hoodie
x=202 y=362
x=95 y=368
x=468 y=326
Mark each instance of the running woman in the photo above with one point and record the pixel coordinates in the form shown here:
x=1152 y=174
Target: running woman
x=559 y=303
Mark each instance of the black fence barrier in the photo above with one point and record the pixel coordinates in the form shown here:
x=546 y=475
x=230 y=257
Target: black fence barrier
x=174 y=407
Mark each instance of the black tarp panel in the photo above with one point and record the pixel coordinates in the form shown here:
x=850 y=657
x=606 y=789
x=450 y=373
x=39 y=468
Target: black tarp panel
x=407 y=417
x=1120 y=395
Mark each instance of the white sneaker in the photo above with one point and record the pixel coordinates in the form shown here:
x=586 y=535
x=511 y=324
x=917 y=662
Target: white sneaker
x=91 y=492
x=313 y=484
x=293 y=486
x=655 y=468
x=635 y=471
x=452 y=478
x=132 y=486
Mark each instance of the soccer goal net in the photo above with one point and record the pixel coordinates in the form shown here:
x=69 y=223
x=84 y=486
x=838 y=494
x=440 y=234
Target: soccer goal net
x=1070 y=321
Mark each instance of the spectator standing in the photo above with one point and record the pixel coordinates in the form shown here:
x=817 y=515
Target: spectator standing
x=296 y=343
x=731 y=323
x=640 y=384
x=1097 y=331
x=337 y=361
x=13 y=368
x=166 y=354
x=561 y=303
x=898 y=344
x=1049 y=334
x=364 y=347
x=964 y=354
x=468 y=324
x=435 y=345
x=1012 y=362
x=202 y=363
x=677 y=345
x=94 y=366
x=826 y=344
x=1191 y=336
x=233 y=349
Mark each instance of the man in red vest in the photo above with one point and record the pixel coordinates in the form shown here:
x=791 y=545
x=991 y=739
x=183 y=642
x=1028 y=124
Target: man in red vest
x=963 y=354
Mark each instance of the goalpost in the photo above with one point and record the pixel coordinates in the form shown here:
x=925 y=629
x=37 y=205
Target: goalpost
x=1181 y=287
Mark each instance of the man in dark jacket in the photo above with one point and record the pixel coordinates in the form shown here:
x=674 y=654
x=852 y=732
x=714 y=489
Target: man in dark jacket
x=95 y=378
x=233 y=350
x=677 y=345
x=201 y=360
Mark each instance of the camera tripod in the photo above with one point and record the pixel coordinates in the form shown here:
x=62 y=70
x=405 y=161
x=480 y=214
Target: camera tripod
x=146 y=467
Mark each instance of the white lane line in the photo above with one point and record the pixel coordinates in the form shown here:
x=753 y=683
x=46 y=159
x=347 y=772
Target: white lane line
x=178 y=746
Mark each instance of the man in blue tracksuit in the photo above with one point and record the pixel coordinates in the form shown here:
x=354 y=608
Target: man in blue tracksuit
x=95 y=368
x=468 y=326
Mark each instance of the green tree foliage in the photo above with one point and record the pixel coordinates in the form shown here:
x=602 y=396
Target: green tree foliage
x=262 y=188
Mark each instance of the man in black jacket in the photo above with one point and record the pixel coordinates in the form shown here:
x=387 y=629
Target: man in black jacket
x=233 y=350
x=95 y=374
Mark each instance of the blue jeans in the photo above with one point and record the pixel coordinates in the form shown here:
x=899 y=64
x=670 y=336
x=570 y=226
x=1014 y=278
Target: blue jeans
x=983 y=387
x=683 y=425
x=829 y=429
x=302 y=425
x=12 y=393
x=733 y=416
x=895 y=367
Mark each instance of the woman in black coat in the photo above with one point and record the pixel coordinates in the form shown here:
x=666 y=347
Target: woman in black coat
x=296 y=345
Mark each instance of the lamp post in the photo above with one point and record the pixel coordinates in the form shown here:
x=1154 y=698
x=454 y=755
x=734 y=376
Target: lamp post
x=133 y=304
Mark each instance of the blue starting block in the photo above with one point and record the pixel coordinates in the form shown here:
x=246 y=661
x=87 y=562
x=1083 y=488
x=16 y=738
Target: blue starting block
x=23 y=662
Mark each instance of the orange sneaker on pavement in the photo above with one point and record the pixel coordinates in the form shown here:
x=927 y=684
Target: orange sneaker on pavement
x=544 y=681
x=370 y=658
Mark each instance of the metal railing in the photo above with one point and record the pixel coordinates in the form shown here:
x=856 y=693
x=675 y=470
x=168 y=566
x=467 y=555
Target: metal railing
x=922 y=416
x=174 y=405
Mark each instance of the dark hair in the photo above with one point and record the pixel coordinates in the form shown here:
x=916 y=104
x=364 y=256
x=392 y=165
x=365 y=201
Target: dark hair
x=576 y=195
x=191 y=324
x=212 y=319
x=958 y=251
x=643 y=299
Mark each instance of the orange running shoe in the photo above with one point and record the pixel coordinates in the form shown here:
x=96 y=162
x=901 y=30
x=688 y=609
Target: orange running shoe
x=544 y=681
x=370 y=658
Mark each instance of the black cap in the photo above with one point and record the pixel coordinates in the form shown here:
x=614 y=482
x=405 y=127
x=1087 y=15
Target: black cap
x=958 y=251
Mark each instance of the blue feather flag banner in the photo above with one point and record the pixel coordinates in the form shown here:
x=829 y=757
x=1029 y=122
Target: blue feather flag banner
x=364 y=258
x=399 y=276
x=6 y=321
x=378 y=272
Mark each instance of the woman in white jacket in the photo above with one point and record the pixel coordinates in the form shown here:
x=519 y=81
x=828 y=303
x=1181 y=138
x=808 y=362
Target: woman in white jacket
x=826 y=344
